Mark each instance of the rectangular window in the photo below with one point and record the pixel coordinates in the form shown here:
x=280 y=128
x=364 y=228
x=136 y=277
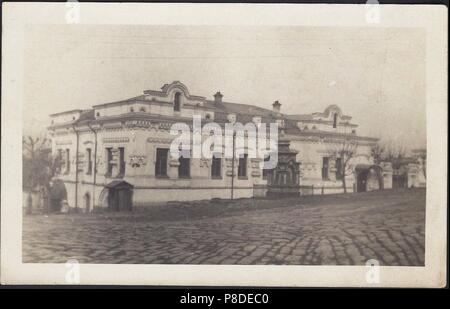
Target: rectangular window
x=67 y=161
x=161 y=162
x=184 y=169
x=325 y=163
x=216 y=166
x=335 y=120
x=89 y=161
x=265 y=171
x=60 y=161
x=242 y=167
x=121 y=161
x=109 y=165
x=339 y=172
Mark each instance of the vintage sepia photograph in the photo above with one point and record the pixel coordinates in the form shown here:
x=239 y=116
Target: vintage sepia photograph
x=233 y=144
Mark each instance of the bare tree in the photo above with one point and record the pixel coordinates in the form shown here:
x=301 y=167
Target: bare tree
x=394 y=151
x=38 y=165
x=378 y=152
x=389 y=151
x=344 y=149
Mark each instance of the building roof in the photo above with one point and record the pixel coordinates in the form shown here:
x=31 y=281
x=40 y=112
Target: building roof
x=86 y=115
x=244 y=112
x=140 y=98
x=66 y=112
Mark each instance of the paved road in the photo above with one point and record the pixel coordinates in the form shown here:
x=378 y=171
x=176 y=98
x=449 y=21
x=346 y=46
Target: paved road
x=321 y=230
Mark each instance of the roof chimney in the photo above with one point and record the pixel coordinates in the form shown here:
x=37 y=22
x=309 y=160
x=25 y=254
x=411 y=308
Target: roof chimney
x=276 y=106
x=218 y=97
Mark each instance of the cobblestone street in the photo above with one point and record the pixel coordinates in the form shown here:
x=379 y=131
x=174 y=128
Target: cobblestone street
x=319 y=230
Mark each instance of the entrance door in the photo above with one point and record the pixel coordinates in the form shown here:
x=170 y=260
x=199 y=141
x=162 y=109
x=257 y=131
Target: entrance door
x=361 y=184
x=120 y=195
x=399 y=181
x=112 y=199
x=124 y=199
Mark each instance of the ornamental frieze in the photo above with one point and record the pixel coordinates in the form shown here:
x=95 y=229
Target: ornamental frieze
x=159 y=140
x=138 y=124
x=117 y=129
x=165 y=126
x=60 y=143
x=108 y=140
x=136 y=160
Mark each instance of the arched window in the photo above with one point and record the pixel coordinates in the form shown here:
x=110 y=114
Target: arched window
x=335 y=120
x=177 y=102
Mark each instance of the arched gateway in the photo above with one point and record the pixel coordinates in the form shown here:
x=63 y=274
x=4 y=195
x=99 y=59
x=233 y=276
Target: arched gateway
x=117 y=196
x=368 y=177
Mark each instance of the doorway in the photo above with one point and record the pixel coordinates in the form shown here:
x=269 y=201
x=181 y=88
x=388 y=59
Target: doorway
x=361 y=183
x=120 y=196
x=368 y=178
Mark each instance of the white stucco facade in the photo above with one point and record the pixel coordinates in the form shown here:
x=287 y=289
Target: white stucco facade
x=120 y=140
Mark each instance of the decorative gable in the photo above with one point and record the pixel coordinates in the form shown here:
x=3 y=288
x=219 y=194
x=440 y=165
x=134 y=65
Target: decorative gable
x=170 y=91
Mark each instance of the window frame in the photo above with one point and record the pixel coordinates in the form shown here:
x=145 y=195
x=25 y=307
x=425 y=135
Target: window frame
x=326 y=171
x=335 y=116
x=339 y=169
x=265 y=170
x=109 y=165
x=217 y=165
x=184 y=167
x=89 y=161
x=122 y=163
x=243 y=167
x=159 y=165
x=67 y=171
x=177 y=102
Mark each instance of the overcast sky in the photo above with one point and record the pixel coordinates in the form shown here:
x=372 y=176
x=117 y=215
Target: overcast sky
x=376 y=75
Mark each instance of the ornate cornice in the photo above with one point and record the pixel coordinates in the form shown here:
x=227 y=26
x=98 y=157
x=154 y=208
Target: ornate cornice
x=61 y=143
x=107 y=140
x=159 y=140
